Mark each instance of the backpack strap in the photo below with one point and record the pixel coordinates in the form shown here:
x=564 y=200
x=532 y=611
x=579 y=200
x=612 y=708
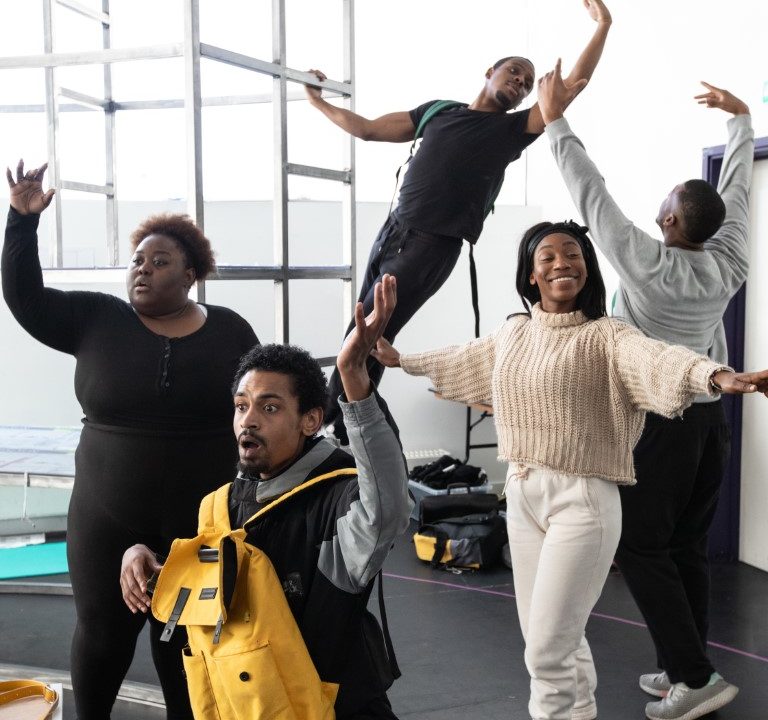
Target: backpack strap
x=214 y=510
x=393 y=666
x=436 y=107
x=299 y=488
x=432 y=110
x=490 y=207
x=473 y=286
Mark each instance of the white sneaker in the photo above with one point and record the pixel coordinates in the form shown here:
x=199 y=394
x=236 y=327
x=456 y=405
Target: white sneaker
x=656 y=684
x=684 y=703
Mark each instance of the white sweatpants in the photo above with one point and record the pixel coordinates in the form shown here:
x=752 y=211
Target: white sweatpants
x=563 y=532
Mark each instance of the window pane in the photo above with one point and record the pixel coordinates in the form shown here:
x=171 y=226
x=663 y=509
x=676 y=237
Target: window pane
x=316 y=315
x=243 y=26
x=314 y=229
x=241 y=232
x=253 y=299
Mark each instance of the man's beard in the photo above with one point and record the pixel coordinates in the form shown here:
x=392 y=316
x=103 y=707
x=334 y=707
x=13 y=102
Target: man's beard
x=251 y=471
x=504 y=100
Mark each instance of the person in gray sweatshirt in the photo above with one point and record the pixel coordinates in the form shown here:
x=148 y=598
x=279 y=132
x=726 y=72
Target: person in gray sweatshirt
x=675 y=290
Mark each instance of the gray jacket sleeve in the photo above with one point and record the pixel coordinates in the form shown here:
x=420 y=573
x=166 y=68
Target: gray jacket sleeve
x=637 y=257
x=731 y=241
x=365 y=533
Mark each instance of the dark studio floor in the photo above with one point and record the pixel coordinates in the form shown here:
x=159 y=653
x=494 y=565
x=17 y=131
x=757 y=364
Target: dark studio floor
x=459 y=645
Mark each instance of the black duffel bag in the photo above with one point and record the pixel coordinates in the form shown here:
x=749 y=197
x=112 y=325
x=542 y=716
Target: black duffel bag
x=460 y=529
x=457 y=502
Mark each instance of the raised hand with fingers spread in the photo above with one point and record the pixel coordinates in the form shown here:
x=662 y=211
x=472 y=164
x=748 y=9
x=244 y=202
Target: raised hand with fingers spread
x=27 y=196
x=554 y=95
x=360 y=343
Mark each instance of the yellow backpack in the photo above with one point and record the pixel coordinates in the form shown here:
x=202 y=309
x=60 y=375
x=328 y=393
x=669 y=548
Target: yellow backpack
x=246 y=658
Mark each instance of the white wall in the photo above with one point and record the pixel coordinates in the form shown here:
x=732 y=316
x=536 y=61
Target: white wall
x=753 y=546
x=637 y=119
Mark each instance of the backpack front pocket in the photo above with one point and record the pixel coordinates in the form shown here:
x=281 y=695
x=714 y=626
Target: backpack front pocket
x=199 y=684
x=250 y=681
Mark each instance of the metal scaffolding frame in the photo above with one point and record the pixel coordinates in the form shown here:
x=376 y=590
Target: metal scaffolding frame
x=193 y=51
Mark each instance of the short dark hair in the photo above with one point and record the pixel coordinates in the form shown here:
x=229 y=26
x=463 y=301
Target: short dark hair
x=500 y=62
x=195 y=246
x=591 y=299
x=703 y=210
x=307 y=377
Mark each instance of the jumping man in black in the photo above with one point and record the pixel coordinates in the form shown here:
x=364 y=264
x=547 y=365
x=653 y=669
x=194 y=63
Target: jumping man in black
x=451 y=181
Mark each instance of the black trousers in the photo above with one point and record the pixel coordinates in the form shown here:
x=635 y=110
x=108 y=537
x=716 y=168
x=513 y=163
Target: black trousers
x=378 y=709
x=666 y=517
x=105 y=635
x=421 y=262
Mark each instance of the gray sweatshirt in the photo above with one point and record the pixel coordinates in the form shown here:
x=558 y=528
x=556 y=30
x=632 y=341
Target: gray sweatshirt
x=675 y=295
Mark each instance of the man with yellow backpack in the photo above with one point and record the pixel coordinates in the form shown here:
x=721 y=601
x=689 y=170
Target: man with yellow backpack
x=273 y=590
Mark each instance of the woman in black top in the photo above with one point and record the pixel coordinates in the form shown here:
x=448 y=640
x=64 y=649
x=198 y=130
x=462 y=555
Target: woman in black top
x=153 y=377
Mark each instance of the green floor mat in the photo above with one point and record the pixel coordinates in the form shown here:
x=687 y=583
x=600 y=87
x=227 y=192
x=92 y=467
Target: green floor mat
x=33 y=560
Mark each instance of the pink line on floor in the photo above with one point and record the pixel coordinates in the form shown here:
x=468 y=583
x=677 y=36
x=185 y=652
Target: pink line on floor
x=602 y=616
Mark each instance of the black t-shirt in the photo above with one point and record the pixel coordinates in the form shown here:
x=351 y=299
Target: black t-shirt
x=452 y=178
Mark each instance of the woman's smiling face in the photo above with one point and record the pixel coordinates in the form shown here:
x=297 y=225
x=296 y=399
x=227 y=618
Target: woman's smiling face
x=560 y=271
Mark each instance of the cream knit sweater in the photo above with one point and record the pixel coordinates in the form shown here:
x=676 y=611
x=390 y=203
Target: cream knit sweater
x=569 y=393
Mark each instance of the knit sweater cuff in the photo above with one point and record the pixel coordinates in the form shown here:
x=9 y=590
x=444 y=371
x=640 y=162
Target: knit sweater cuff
x=413 y=364
x=700 y=374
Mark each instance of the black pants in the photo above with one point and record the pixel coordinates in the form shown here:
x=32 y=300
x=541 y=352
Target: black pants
x=106 y=631
x=421 y=262
x=378 y=709
x=666 y=518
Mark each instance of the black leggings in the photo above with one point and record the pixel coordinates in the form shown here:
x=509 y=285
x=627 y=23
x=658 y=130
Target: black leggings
x=421 y=262
x=131 y=488
x=106 y=630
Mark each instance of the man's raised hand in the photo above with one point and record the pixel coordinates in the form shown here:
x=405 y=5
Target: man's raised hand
x=554 y=95
x=27 y=196
x=598 y=11
x=722 y=99
x=353 y=355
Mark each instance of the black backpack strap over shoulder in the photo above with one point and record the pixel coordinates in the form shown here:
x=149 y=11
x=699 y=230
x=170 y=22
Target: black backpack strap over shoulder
x=393 y=666
x=436 y=107
x=473 y=285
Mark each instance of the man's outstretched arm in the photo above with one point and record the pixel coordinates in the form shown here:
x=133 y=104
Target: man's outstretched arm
x=731 y=240
x=635 y=255
x=585 y=66
x=393 y=127
x=376 y=511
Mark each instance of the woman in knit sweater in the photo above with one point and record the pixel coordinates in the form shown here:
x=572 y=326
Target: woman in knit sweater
x=570 y=388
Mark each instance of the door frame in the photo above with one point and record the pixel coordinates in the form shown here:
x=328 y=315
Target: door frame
x=724 y=533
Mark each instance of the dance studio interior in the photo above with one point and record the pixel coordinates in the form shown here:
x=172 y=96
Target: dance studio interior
x=202 y=108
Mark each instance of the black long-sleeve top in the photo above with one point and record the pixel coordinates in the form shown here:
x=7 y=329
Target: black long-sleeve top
x=157 y=432
x=126 y=375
